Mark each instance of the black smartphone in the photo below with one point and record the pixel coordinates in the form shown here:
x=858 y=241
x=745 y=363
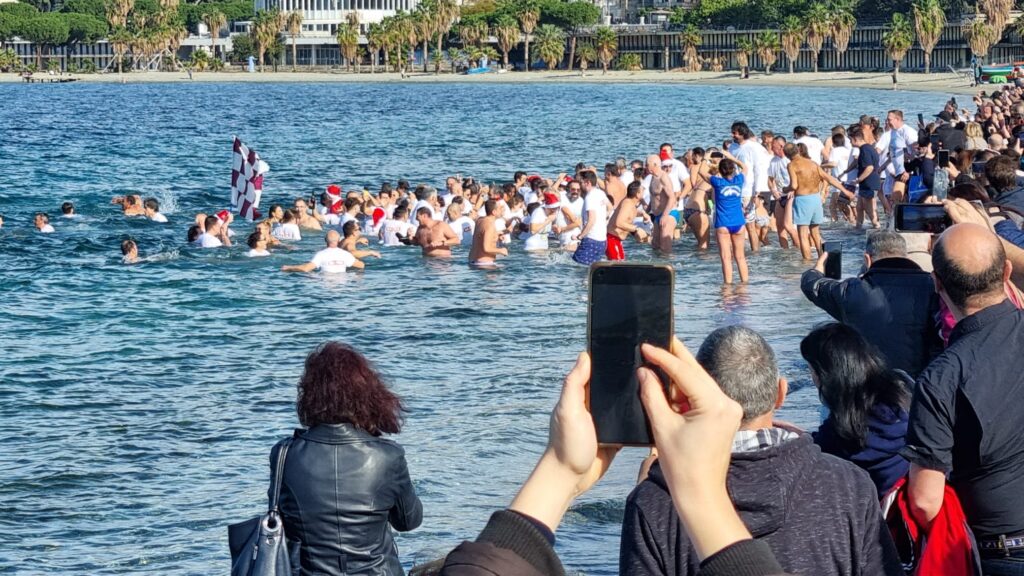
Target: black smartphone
x=942 y=156
x=978 y=167
x=833 y=260
x=931 y=218
x=717 y=155
x=630 y=304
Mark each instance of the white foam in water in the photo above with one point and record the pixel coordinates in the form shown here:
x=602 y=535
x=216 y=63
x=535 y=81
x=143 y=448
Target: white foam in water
x=168 y=200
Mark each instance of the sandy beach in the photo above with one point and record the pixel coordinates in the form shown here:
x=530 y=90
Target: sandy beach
x=937 y=82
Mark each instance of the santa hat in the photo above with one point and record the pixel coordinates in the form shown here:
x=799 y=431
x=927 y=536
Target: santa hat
x=666 y=156
x=334 y=190
x=223 y=215
x=378 y=215
x=338 y=207
x=551 y=201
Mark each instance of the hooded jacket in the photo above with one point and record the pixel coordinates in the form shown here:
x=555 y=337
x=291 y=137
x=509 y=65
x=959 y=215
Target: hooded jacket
x=887 y=435
x=818 y=514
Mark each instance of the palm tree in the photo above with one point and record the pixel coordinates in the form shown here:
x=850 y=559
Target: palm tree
x=374 y=42
x=348 y=42
x=607 y=44
x=897 y=41
x=744 y=48
x=690 y=39
x=792 y=39
x=767 y=46
x=506 y=30
x=585 y=54
x=528 y=15
x=818 y=25
x=997 y=13
x=293 y=22
x=550 y=44
x=842 y=24
x=445 y=14
x=981 y=36
x=423 y=20
x=266 y=25
x=929 y=22
x=214 y=21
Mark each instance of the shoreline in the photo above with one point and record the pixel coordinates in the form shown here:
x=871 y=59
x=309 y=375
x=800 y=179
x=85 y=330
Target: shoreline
x=942 y=82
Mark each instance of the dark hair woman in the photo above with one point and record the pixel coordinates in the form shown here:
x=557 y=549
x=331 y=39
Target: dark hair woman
x=868 y=403
x=344 y=483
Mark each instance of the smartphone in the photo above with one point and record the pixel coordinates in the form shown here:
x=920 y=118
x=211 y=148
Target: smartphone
x=978 y=167
x=931 y=218
x=630 y=304
x=717 y=155
x=942 y=156
x=833 y=260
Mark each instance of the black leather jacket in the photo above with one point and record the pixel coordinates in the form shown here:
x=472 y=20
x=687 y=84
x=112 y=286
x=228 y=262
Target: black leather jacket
x=342 y=487
x=893 y=305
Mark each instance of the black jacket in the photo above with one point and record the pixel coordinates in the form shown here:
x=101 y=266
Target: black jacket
x=342 y=487
x=819 y=515
x=513 y=545
x=893 y=305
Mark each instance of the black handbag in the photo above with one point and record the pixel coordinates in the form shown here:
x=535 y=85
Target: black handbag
x=258 y=546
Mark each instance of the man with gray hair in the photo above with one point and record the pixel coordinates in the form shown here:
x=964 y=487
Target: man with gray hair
x=818 y=514
x=893 y=304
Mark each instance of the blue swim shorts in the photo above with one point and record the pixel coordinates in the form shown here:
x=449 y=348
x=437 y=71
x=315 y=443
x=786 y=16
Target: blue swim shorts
x=808 y=211
x=590 y=251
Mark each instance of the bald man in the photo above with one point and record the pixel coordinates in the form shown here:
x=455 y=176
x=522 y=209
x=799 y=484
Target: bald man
x=663 y=206
x=967 y=416
x=330 y=260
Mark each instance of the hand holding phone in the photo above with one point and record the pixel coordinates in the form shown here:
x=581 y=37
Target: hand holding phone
x=833 y=260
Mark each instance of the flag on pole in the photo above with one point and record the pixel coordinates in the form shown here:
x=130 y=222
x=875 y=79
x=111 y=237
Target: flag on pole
x=246 y=180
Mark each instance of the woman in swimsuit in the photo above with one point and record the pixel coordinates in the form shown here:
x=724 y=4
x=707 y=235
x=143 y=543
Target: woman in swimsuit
x=694 y=212
x=730 y=221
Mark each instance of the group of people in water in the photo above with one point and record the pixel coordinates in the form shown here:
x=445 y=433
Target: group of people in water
x=751 y=189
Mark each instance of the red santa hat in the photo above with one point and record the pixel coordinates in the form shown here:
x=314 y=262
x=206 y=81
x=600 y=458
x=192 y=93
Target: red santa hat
x=378 y=215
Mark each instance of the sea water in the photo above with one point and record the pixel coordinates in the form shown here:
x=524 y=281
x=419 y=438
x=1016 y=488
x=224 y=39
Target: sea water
x=138 y=403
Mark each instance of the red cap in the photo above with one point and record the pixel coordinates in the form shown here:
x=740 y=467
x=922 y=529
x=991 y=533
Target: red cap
x=378 y=215
x=532 y=178
x=665 y=156
x=568 y=179
x=223 y=215
x=338 y=207
x=334 y=190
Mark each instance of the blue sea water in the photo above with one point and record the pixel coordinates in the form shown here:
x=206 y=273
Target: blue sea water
x=138 y=403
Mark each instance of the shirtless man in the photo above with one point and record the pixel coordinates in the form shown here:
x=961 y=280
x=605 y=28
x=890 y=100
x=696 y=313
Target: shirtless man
x=305 y=219
x=614 y=187
x=131 y=205
x=695 y=209
x=778 y=184
x=807 y=179
x=352 y=238
x=434 y=236
x=485 y=238
x=622 y=223
x=663 y=204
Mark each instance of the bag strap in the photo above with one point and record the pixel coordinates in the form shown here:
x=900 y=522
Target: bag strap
x=278 y=479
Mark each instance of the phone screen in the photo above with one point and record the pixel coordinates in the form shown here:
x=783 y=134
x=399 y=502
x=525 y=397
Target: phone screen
x=931 y=218
x=943 y=158
x=834 y=260
x=629 y=305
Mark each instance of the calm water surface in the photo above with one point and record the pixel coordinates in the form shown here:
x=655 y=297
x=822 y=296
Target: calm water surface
x=138 y=404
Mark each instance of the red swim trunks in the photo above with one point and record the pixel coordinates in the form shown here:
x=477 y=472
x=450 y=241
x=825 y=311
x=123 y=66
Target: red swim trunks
x=614 y=250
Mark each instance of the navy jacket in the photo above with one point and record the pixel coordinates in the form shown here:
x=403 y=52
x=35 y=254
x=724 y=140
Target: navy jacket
x=818 y=514
x=893 y=305
x=342 y=488
x=887 y=435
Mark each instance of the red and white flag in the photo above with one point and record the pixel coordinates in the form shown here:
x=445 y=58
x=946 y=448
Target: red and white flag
x=247 y=172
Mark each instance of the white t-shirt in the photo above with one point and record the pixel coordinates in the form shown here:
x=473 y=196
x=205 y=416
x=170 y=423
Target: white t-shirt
x=255 y=253
x=596 y=202
x=464 y=228
x=779 y=170
x=331 y=219
x=289 y=231
x=392 y=229
x=755 y=161
x=678 y=174
x=206 y=240
x=762 y=161
x=158 y=217
x=627 y=176
x=47 y=229
x=345 y=219
x=538 y=241
x=424 y=204
x=531 y=197
x=333 y=260
x=840 y=160
x=851 y=176
x=896 y=145
x=814 y=147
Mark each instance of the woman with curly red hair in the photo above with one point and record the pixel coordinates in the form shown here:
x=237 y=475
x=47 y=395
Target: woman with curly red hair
x=343 y=483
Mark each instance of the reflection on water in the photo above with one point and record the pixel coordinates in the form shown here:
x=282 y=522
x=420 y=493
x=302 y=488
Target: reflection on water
x=140 y=402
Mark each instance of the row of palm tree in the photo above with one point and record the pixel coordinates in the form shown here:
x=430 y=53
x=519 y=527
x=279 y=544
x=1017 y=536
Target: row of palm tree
x=146 y=35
